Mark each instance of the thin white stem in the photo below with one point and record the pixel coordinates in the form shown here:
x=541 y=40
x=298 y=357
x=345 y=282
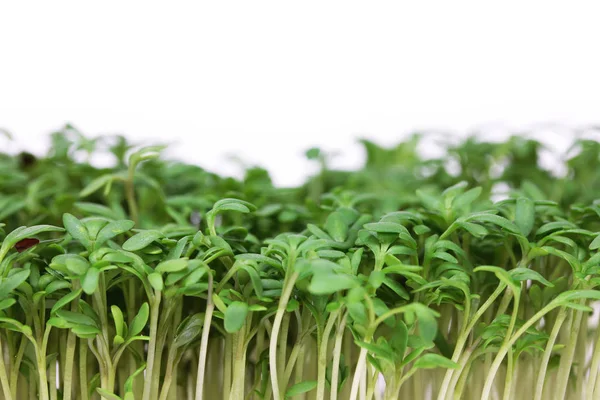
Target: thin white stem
x=281 y=309
x=204 y=341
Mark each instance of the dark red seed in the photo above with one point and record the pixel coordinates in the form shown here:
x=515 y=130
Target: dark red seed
x=24 y=244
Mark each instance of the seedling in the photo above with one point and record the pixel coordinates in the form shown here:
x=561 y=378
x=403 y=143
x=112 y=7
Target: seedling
x=157 y=280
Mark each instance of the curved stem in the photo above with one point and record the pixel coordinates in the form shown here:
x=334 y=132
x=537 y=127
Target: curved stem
x=168 y=374
x=500 y=356
x=509 y=375
x=15 y=368
x=337 y=352
x=281 y=309
x=464 y=363
x=204 y=341
x=594 y=367
x=283 y=338
x=3 y=376
x=151 y=346
x=567 y=354
x=130 y=195
x=359 y=372
x=539 y=387
x=505 y=346
x=462 y=339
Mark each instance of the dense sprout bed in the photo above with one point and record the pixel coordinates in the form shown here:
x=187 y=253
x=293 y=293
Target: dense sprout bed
x=156 y=280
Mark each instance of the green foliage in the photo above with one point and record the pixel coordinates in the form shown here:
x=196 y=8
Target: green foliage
x=154 y=280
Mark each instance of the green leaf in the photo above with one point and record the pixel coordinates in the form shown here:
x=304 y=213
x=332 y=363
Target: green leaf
x=399 y=339
x=579 y=307
x=257 y=307
x=376 y=279
x=595 y=243
x=432 y=360
x=299 y=388
x=118 y=319
x=14 y=325
x=85 y=331
x=524 y=274
x=76 y=318
x=230 y=204
x=76 y=264
x=55 y=286
x=96 y=184
x=23 y=232
x=156 y=281
x=98 y=209
x=385 y=227
x=12 y=282
x=59 y=323
x=525 y=215
x=235 y=316
x=496 y=220
x=502 y=275
x=77 y=230
x=129 y=382
x=426 y=321
x=358 y=312
x=141 y=240
x=323 y=283
x=465 y=199
x=113 y=229
x=476 y=230
x=90 y=280
x=139 y=321
x=429 y=201
x=397 y=288
x=191 y=329
x=66 y=299
x=421 y=229
x=7 y=303
x=219 y=303
x=172 y=265
x=572 y=295
x=336 y=226
x=107 y=395
x=379 y=351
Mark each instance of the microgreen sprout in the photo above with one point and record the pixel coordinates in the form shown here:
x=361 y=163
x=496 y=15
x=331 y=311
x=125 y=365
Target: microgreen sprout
x=158 y=280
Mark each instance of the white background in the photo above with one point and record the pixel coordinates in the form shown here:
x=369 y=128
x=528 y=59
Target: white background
x=265 y=80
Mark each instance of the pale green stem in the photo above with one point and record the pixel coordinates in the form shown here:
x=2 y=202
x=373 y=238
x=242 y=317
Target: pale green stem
x=151 y=346
x=322 y=357
x=566 y=357
x=463 y=362
x=204 y=341
x=595 y=365
x=359 y=372
x=281 y=309
x=70 y=355
x=462 y=339
x=509 y=375
x=3 y=375
x=337 y=350
x=505 y=346
x=15 y=368
x=227 y=367
x=541 y=379
x=239 y=366
x=130 y=195
x=168 y=374
x=83 y=375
